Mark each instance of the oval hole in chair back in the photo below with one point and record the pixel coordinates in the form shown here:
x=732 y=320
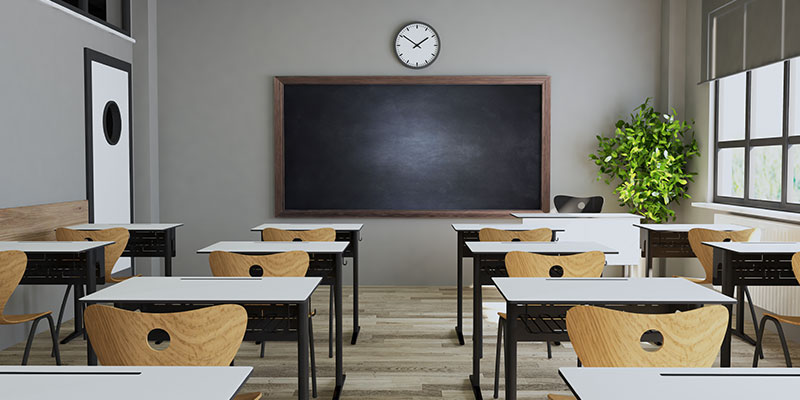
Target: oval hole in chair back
x=256 y=271
x=516 y=240
x=297 y=239
x=726 y=240
x=651 y=340
x=556 y=271
x=571 y=204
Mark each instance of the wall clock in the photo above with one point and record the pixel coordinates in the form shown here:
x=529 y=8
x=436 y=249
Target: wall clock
x=417 y=45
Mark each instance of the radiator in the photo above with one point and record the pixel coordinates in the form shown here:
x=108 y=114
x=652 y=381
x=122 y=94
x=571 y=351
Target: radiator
x=778 y=299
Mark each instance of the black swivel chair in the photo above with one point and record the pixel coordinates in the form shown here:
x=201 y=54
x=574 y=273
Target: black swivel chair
x=570 y=204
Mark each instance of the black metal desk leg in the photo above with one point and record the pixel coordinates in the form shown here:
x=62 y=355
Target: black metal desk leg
x=302 y=350
x=648 y=254
x=723 y=257
x=337 y=289
x=76 y=306
x=460 y=288
x=477 y=318
x=354 y=237
x=169 y=248
x=512 y=312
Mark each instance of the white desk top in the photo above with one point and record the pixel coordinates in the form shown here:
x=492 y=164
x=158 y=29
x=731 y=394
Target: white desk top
x=559 y=247
x=276 y=247
x=688 y=227
x=757 y=247
x=507 y=227
x=673 y=383
x=152 y=289
x=52 y=247
x=608 y=291
x=308 y=227
x=121 y=383
x=577 y=215
x=130 y=227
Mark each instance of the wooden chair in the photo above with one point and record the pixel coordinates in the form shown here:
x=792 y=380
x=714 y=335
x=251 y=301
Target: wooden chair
x=12 y=268
x=111 y=252
x=292 y=263
x=530 y=265
x=314 y=235
x=778 y=319
x=705 y=255
x=571 y=204
x=609 y=338
x=208 y=336
x=499 y=235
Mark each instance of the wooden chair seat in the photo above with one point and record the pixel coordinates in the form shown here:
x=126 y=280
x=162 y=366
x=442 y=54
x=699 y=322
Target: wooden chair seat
x=559 y=397
x=787 y=319
x=699 y=281
x=120 y=279
x=20 y=318
x=502 y=315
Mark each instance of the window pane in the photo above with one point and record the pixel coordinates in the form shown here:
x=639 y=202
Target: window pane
x=732 y=107
x=730 y=172
x=765 y=173
x=794 y=97
x=793 y=194
x=766 y=101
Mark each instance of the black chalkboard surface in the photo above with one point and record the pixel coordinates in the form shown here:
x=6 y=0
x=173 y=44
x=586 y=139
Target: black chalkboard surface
x=382 y=146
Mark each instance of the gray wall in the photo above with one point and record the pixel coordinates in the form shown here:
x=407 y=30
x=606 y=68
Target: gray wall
x=216 y=61
x=42 y=121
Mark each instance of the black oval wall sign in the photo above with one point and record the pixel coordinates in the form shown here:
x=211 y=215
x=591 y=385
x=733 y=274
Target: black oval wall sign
x=112 y=123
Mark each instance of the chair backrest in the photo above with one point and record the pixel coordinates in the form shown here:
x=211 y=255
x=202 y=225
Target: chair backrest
x=292 y=263
x=609 y=338
x=112 y=252
x=705 y=253
x=314 y=235
x=499 y=235
x=12 y=268
x=571 y=204
x=204 y=337
x=530 y=265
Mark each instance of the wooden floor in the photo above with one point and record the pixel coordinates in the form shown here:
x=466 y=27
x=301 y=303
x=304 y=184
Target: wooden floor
x=407 y=349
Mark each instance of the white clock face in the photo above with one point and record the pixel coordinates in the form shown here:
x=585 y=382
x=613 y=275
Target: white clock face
x=417 y=45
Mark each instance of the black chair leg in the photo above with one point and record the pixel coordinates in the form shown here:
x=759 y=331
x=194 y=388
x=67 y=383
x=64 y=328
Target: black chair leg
x=781 y=335
x=753 y=314
x=263 y=345
x=30 y=341
x=61 y=314
x=500 y=326
x=549 y=351
x=313 y=358
x=54 y=336
x=330 y=326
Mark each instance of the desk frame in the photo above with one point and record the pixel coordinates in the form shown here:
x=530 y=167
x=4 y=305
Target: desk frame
x=79 y=269
x=734 y=270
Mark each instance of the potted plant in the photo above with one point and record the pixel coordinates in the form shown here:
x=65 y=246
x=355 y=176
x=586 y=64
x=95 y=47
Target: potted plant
x=647 y=157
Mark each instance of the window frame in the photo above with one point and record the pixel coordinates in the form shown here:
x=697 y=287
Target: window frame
x=83 y=9
x=748 y=144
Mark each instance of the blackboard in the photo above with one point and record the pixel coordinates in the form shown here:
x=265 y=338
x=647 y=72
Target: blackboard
x=411 y=146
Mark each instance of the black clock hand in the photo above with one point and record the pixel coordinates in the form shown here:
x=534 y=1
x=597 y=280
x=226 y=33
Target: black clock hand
x=423 y=40
x=412 y=42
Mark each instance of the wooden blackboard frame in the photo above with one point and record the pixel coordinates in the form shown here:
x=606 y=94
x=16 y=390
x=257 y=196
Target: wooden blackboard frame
x=280 y=178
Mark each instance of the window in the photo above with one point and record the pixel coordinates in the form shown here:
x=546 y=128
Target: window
x=115 y=14
x=757 y=137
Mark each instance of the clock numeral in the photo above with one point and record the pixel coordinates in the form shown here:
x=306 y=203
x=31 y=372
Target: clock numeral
x=401 y=54
x=433 y=54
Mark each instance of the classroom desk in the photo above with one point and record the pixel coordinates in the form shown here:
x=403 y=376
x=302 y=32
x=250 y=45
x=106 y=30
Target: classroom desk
x=681 y=383
x=146 y=240
x=344 y=233
x=531 y=301
x=614 y=230
x=169 y=294
x=326 y=262
x=469 y=232
x=122 y=383
x=672 y=240
x=64 y=263
x=750 y=264
x=489 y=262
